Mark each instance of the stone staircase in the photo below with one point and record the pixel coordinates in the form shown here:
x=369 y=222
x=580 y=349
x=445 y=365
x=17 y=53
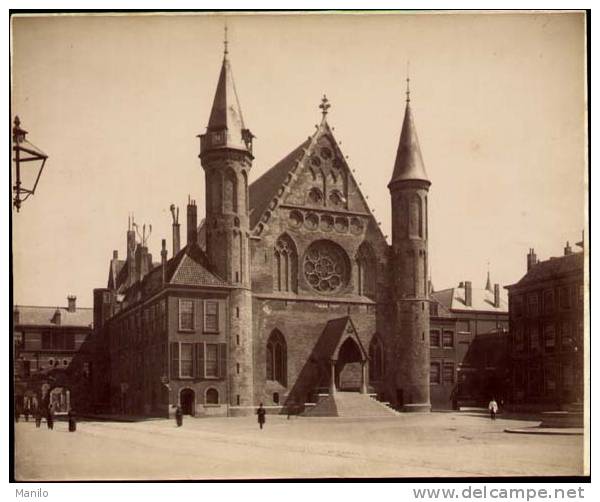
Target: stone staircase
x=350 y=405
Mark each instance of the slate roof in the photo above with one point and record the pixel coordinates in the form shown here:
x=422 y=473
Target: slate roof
x=552 y=269
x=482 y=300
x=409 y=161
x=190 y=266
x=42 y=316
x=262 y=190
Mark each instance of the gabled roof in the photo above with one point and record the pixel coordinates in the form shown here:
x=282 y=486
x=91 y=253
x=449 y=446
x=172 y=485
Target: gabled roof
x=42 y=316
x=262 y=190
x=409 y=161
x=482 y=300
x=552 y=269
x=190 y=267
x=336 y=332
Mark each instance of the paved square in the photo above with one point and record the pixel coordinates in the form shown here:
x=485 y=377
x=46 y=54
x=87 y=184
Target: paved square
x=436 y=444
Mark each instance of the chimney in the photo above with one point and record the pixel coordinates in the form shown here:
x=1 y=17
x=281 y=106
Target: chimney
x=497 y=295
x=531 y=259
x=72 y=305
x=163 y=258
x=115 y=254
x=461 y=284
x=176 y=234
x=131 y=245
x=192 y=222
x=568 y=249
x=468 y=294
x=16 y=316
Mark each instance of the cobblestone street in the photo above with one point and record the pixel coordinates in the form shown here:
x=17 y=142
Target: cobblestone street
x=436 y=444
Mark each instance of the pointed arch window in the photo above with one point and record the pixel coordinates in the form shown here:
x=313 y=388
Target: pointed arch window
x=286 y=265
x=277 y=358
x=376 y=359
x=366 y=269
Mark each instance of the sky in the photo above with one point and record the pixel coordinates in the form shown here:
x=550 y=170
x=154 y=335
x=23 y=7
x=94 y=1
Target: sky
x=499 y=102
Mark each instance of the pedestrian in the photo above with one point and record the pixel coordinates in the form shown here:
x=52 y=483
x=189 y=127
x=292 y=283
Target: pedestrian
x=178 y=416
x=38 y=418
x=261 y=412
x=50 y=418
x=72 y=421
x=493 y=407
x=26 y=413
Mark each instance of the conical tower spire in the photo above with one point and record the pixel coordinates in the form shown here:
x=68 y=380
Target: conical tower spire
x=226 y=127
x=409 y=161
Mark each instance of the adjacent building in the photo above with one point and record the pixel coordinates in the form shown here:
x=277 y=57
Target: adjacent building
x=469 y=349
x=52 y=355
x=546 y=326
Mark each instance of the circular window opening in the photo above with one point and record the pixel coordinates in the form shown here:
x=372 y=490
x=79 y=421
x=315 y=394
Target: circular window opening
x=276 y=397
x=315 y=196
x=316 y=161
x=326 y=267
x=326 y=153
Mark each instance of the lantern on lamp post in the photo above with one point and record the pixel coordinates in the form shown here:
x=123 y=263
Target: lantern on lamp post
x=24 y=152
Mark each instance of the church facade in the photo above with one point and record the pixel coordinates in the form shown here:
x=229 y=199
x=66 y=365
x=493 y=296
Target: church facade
x=286 y=291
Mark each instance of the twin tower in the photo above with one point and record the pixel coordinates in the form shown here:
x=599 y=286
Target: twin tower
x=226 y=156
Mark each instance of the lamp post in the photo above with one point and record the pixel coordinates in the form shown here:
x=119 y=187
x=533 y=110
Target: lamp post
x=24 y=152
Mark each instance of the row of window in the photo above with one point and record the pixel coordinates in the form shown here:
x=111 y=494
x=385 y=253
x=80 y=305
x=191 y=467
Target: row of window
x=187 y=315
x=562 y=334
x=326 y=267
x=529 y=304
x=444 y=340
x=143 y=325
x=538 y=381
x=58 y=341
x=441 y=373
x=198 y=360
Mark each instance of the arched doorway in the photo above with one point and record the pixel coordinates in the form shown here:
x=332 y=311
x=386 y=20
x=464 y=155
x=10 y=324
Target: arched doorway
x=187 y=399
x=348 y=367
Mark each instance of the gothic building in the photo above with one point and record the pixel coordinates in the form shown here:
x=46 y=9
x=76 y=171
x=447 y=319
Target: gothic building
x=287 y=293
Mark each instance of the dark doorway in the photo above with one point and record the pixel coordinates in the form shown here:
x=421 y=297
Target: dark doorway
x=187 y=401
x=349 y=366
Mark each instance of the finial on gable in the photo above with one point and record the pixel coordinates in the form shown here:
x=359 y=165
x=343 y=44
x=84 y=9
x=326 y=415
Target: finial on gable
x=324 y=106
x=408 y=81
x=225 y=42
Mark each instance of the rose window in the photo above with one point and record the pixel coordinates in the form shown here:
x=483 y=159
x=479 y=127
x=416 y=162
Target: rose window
x=326 y=267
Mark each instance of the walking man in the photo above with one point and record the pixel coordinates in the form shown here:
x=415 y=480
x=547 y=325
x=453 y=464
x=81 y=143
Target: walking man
x=261 y=412
x=178 y=416
x=493 y=407
x=72 y=421
x=50 y=418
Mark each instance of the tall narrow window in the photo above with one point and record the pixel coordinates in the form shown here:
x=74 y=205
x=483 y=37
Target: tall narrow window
x=448 y=373
x=448 y=339
x=434 y=374
x=211 y=316
x=212 y=360
x=276 y=362
x=187 y=360
x=366 y=269
x=434 y=338
x=286 y=265
x=230 y=196
x=415 y=227
x=186 y=315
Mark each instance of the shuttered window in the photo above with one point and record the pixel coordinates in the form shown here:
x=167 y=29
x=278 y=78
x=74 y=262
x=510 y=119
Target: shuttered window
x=211 y=316
x=187 y=360
x=186 y=315
x=212 y=360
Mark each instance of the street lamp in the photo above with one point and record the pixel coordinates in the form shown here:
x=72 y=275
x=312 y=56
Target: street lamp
x=24 y=152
